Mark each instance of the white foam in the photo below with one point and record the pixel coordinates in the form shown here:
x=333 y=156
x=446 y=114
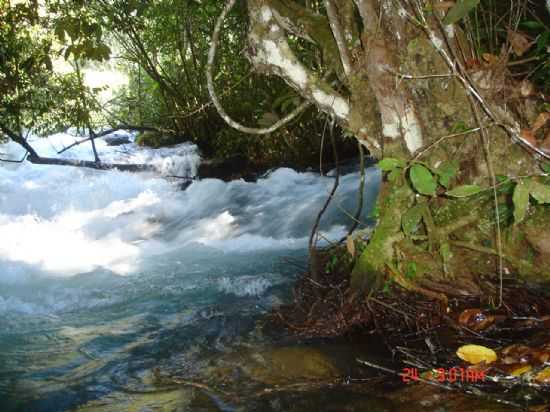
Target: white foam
x=244 y=285
x=57 y=222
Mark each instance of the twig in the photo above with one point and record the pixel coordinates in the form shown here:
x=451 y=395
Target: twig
x=328 y=200
x=390 y=307
x=336 y=28
x=394 y=372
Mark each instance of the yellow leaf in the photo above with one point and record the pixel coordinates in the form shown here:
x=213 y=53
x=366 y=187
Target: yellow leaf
x=521 y=370
x=476 y=354
x=543 y=376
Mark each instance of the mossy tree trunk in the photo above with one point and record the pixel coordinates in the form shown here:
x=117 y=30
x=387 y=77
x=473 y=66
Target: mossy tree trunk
x=411 y=91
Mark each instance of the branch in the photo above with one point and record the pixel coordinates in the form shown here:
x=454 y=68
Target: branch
x=109 y=131
x=211 y=90
x=501 y=117
x=338 y=36
x=18 y=139
x=35 y=158
x=90 y=164
x=397 y=110
x=310 y=26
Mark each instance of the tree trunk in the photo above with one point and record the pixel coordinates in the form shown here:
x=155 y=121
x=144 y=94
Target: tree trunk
x=403 y=84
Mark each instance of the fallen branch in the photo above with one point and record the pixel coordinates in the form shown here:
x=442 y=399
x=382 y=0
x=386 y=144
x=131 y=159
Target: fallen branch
x=109 y=131
x=90 y=164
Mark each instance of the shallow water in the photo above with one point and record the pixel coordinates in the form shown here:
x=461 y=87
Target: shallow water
x=107 y=277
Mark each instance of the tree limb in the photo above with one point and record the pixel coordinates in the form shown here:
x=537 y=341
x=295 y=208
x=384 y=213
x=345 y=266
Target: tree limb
x=109 y=131
x=35 y=158
x=338 y=36
x=209 y=77
x=90 y=164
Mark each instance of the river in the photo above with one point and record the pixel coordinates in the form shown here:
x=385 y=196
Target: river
x=109 y=278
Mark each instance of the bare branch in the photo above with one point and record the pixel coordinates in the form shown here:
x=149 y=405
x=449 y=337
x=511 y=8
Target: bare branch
x=90 y=164
x=35 y=158
x=18 y=139
x=109 y=131
x=338 y=36
x=209 y=77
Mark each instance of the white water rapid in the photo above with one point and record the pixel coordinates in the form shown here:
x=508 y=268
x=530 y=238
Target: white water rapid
x=87 y=253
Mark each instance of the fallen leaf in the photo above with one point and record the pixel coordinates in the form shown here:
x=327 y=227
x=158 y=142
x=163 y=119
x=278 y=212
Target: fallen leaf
x=490 y=59
x=475 y=319
x=509 y=360
x=528 y=135
x=476 y=354
x=541 y=357
x=521 y=370
x=516 y=350
x=543 y=376
x=527 y=88
x=520 y=42
x=541 y=121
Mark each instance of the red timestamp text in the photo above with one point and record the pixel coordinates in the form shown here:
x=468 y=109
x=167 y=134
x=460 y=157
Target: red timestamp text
x=450 y=375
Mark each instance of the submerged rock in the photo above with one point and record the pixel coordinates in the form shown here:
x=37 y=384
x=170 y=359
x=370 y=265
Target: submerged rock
x=290 y=364
x=117 y=140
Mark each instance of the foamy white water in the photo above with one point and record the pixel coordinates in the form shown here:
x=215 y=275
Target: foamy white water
x=100 y=270
x=64 y=221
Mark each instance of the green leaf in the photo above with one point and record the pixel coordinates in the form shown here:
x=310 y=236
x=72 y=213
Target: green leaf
x=411 y=219
x=531 y=24
x=464 y=191
x=389 y=163
x=395 y=175
x=542 y=42
x=446 y=172
x=540 y=192
x=521 y=200
x=460 y=10
x=410 y=271
x=423 y=180
x=545 y=167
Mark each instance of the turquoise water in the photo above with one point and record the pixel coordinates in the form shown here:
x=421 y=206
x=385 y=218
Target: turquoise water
x=113 y=283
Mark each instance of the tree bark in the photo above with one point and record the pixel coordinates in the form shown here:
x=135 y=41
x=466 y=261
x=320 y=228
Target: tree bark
x=405 y=88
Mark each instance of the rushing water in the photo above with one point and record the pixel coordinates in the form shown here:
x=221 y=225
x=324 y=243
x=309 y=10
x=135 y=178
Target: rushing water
x=107 y=277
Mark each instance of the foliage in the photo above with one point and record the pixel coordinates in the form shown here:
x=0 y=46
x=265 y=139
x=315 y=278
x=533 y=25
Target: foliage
x=33 y=94
x=520 y=26
x=524 y=190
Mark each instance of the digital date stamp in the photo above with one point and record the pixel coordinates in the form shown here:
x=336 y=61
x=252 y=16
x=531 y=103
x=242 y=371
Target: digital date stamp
x=443 y=375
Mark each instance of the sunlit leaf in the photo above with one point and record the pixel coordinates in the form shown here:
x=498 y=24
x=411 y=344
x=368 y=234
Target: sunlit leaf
x=543 y=376
x=521 y=370
x=476 y=353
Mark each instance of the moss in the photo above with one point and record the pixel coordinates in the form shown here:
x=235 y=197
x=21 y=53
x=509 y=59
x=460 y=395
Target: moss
x=394 y=199
x=155 y=139
x=314 y=26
